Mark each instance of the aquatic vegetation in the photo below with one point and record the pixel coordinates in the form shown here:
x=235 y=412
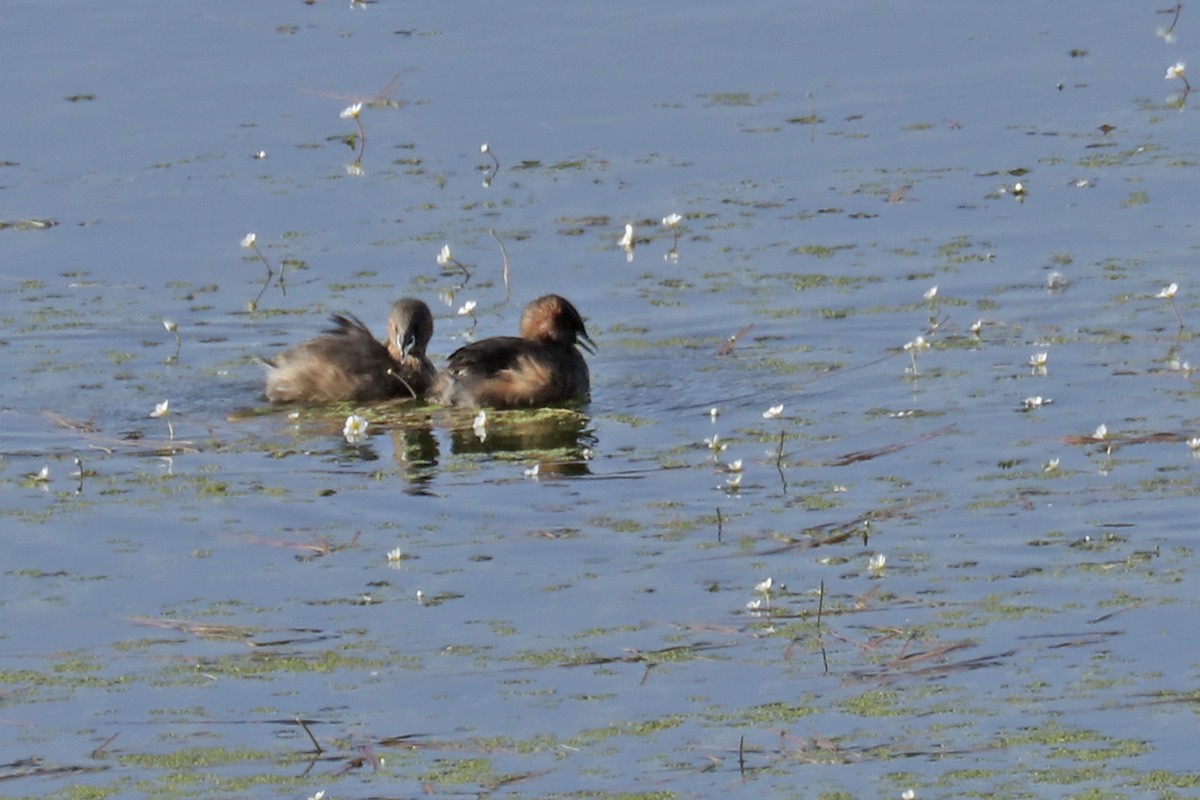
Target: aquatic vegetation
x=163 y=410
x=677 y=587
x=912 y=348
x=354 y=112
x=250 y=242
x=1177 y=72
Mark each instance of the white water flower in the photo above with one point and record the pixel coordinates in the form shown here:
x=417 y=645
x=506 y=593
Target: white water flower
x=444 y=258
x=1175 y=71
x=355 y=429
x=533 y=471
x=479 y=425
x=713 y=413
x=912 y=348
x=248 y=240
x=735 y=466
x=170 y=325
x=773 y=412
x=671 y=220
x=351 y=112
x=714 y=443
x=1036 y=402
x=930 y=293
x=734 y=481
x=1101 y=432
x=395 y=555
x=466 y=308
x=763 y=588
x=484 y=149
x=1050 y=466
x=163 y=410
x=877 y=563
x=1194 y=444
x=976 y=327
x=626 y=242
x=1038 y=360
x=1168 y=291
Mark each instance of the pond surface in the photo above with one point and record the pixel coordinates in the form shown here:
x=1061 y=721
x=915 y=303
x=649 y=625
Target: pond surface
x=929 y=571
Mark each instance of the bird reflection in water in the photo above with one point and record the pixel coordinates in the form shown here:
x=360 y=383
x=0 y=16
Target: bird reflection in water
x=559 y=440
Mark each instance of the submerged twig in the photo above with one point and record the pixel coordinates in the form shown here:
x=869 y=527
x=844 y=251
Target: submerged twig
x=867 y=455
x=304 y=726
x=779 y=459
x=79 y=426
x=98 y=751
x=727 y=346
x=646 y=673
x=504 y=255
x=820 y=604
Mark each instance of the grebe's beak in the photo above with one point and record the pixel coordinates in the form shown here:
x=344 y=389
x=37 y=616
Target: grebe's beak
x=585 y=343
x=406 y=341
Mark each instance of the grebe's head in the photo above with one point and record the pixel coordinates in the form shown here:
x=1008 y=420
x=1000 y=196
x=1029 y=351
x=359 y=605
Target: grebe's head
x=551 y=319
x=410 y=327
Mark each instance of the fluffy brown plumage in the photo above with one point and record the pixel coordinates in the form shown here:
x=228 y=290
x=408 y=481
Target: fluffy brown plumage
x=347 y=363
x=540 y=367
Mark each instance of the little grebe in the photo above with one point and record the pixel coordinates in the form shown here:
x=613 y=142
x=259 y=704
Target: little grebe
x=347 y=363
x=539 y=367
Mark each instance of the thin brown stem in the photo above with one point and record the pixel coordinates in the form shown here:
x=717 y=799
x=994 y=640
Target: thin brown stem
x=504 y=255
x=820 y=605
x=316 y=745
